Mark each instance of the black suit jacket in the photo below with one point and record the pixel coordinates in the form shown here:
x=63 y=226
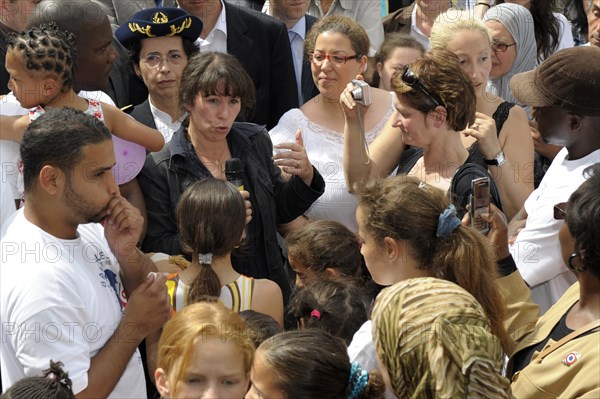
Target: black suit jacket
x=143 y=115
x=309 y=90
x=262 y=46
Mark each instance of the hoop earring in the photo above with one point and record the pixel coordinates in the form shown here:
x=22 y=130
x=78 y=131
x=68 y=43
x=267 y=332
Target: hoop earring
x=572 y=266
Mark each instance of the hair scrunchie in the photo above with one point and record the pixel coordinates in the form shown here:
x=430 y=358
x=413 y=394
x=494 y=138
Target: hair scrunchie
x=447 y=222
x=205 y=259
x=358 y=380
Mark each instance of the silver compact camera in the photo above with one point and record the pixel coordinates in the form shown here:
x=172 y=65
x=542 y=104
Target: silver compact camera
x=361 y=93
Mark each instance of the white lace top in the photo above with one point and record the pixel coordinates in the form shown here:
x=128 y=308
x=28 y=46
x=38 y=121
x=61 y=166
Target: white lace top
x=325 y=148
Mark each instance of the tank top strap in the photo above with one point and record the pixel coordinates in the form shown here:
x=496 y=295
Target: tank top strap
x=247 y=288
x=240 y=292
x=178 y=292
x=501 y=115
x=35 y=113
x=95 y=109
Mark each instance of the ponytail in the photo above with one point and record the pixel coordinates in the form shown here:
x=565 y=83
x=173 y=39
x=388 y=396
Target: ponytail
x=206 y=282
x=465 y=259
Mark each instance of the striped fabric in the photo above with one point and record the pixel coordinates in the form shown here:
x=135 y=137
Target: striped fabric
x=435 y=341
x=236 y=295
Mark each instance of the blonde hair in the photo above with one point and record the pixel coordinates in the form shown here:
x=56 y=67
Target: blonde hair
x=202 y=320
x=449 y=23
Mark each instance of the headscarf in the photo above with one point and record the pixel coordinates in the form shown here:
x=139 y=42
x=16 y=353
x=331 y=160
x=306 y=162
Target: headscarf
x=519 y=23
x=435 y=341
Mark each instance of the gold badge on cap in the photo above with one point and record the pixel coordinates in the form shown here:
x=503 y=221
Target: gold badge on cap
x=571 y=358
x=160 y=18
x=178 y=29
x=135 y=27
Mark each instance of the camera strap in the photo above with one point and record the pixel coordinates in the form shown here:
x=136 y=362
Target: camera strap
x=363 y=135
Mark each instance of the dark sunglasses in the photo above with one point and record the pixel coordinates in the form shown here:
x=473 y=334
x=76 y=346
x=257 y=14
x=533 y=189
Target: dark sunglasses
x=410 y=79
x=560 y=211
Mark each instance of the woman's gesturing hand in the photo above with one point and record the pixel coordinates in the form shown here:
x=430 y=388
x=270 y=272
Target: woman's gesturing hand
x=484 y=131
x=292 y=158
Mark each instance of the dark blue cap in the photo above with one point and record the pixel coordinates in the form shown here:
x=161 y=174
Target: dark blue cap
x=159 y=21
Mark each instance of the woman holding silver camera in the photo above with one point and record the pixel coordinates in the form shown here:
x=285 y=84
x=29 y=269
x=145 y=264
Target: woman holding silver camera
x=337 y=50
x=435 y=102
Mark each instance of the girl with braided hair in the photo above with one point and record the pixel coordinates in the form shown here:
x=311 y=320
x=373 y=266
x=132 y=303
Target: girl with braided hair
x=53 y=384
x=310 y=364
x=42 y=62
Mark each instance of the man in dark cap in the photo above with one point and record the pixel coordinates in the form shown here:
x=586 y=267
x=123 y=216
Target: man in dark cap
x=564 y=93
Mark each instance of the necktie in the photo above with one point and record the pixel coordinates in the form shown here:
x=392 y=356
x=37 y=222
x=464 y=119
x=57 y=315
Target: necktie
x=296 y=44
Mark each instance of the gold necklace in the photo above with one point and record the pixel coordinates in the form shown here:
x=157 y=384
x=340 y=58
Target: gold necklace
x=215 y=166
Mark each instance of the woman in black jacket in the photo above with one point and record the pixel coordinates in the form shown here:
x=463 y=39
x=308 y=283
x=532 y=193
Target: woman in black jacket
x=214 y=90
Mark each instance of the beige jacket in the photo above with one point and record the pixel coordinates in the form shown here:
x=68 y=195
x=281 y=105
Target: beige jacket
x=550 y=377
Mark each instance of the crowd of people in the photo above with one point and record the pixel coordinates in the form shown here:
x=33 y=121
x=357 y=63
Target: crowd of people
x=279 y=199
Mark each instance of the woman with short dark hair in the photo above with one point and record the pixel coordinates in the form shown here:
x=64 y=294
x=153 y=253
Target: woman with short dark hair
x=214 y=90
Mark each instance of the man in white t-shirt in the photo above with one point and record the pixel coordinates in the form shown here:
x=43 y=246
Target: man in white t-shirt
x=564 y=92
x=72 y=290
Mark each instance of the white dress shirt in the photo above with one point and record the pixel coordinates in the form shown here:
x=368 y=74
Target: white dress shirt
x=164 y=123
x=297 y=34
x=216 y=40
x=416 y=32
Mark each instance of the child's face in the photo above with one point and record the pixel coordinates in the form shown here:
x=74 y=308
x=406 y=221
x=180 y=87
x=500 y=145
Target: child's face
x=216 y=370
x=263 y=384
x=27 y=89
x=303 y=274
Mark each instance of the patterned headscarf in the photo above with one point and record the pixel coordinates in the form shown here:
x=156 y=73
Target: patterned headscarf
x=519 y=23
x=435 y=341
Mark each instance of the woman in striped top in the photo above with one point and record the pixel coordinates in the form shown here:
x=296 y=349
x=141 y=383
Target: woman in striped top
x=211 y=219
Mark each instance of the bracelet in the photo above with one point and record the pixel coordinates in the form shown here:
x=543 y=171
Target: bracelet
x=506 y=266
x=481 y=3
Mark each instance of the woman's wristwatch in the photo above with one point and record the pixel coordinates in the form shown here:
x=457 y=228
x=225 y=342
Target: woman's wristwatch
x=498 y=160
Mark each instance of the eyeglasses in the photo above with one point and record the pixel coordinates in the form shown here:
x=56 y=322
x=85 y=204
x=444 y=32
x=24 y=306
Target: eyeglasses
x=337 y=60
x=155 y=60
x=501 y=47
x=409 y=78
x=560 y=211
